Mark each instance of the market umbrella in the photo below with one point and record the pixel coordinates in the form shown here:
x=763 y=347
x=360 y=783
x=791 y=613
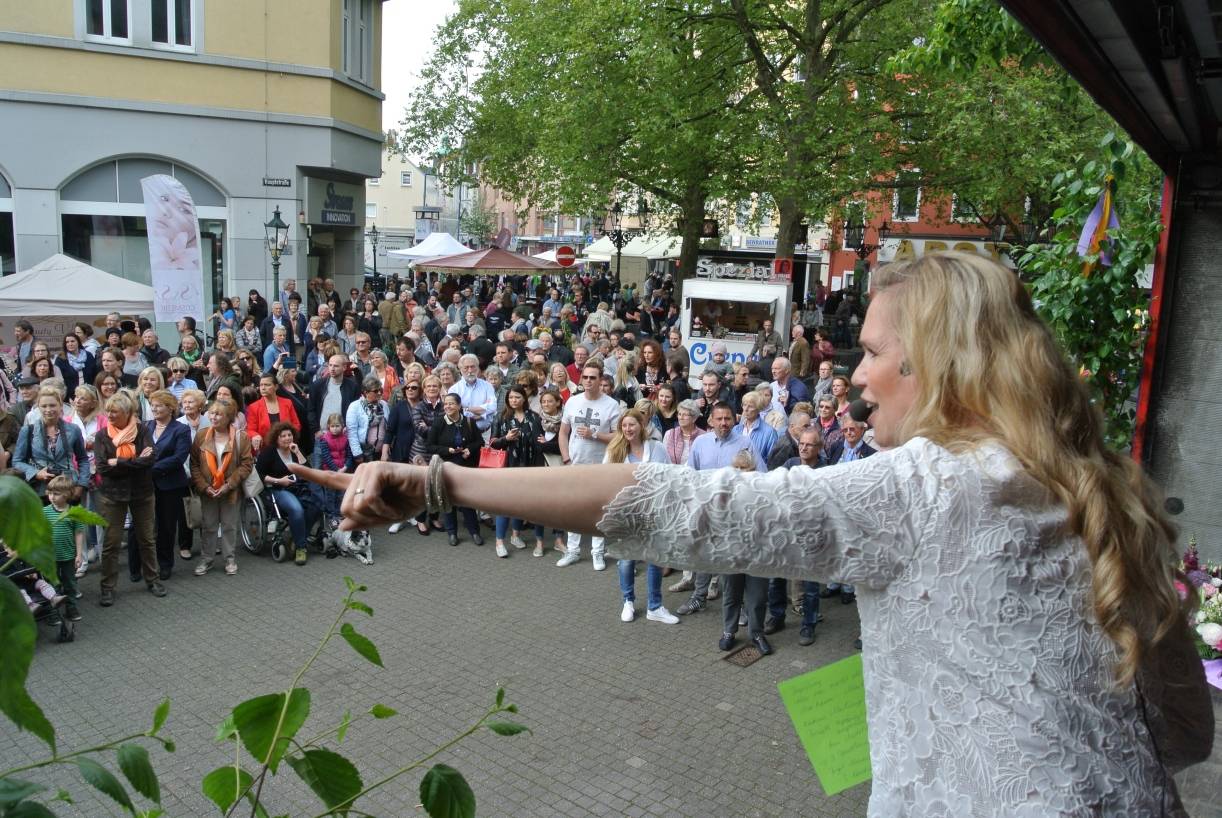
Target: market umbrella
x=491 y=262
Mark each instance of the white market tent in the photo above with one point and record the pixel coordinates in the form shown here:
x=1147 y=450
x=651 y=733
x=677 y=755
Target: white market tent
x=62 y=285
x=434 y=246
x=601 y=250
x=548 y=255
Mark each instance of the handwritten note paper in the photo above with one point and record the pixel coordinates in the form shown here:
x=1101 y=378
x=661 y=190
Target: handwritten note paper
x=828 y=709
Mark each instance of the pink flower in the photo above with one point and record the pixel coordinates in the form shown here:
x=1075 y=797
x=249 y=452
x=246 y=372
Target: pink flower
x=1181 y=589
x=1208 y=590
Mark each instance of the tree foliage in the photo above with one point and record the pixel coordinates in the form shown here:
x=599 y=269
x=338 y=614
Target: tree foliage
x=1099 y=316
x=267 y=726
x=990 y=117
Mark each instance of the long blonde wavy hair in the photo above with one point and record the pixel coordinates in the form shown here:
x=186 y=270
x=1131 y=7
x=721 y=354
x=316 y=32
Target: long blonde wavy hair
x=988 y=368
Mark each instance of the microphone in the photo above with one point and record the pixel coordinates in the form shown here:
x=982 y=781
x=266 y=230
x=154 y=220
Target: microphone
x=860 y=410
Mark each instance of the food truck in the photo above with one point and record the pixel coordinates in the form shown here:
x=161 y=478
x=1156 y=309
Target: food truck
x=728 y=301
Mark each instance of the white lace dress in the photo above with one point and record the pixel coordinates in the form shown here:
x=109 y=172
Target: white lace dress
x=987 y=678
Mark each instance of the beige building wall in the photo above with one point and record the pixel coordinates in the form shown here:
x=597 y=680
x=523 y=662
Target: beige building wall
x=248 y=56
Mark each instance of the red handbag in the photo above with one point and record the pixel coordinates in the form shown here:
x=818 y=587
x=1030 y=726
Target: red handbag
x=490 y=458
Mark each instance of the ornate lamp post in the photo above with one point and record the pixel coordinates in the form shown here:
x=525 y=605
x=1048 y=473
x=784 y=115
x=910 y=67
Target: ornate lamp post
x=277 y=238
x=373 y=235
x=619 y=235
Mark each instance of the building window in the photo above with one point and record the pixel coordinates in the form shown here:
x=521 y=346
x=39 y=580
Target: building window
x=906 y=203
x=374 y=181
x=106 y=20
x=171 y=23
x=356 y=32
x=405 y=178
x=959 y=211
x=371 y=210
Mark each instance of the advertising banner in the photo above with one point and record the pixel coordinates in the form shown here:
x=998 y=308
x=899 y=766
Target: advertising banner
x=174 y=251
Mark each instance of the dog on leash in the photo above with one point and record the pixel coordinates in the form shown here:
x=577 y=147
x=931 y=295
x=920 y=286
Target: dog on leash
x=339 y=543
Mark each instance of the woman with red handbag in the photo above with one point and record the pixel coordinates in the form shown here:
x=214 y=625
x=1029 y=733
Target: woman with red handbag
x=516 y=431
x=456 y=439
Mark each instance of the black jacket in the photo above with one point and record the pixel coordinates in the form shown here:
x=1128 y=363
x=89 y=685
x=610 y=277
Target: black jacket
x=349 y=390
x=73 y=379
x=441 y=440
x=130 y=478
x=526 y=450
x=170 y=453
x=401 y=432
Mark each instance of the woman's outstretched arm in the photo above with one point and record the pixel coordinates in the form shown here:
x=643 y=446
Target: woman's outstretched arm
x=571 y=498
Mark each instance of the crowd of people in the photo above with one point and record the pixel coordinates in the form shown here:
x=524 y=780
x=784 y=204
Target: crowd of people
x=164 y=441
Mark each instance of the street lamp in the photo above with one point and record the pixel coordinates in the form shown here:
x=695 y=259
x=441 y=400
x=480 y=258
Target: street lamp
x=373 y=235
x=855 y=237
x=618 y=234
x=277 y=237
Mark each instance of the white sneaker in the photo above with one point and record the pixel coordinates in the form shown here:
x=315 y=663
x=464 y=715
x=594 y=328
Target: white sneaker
x=84 y=569
x=396 y=528
x=628 y=614
x=516 y=542
x=500 y=550
x=599 y=563
x=568 y=559
x=660 y=614
x=538 y=552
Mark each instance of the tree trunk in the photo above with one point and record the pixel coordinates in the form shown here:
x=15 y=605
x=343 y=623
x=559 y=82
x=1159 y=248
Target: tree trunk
x=693 y=219
x=790 y=217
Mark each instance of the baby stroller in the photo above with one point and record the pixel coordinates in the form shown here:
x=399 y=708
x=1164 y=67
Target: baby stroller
x=46 y=613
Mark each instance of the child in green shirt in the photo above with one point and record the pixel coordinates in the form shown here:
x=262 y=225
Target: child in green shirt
x=67 y=540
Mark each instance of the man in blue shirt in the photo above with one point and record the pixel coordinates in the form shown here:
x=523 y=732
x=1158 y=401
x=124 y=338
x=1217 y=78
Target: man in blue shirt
x=478 y=396
x=810 y=448
x=787 y=389
x=715 y=451
x=851 y=448
x=762 y=436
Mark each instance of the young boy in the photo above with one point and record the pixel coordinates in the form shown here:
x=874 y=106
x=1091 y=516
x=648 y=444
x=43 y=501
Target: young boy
x=67 y=539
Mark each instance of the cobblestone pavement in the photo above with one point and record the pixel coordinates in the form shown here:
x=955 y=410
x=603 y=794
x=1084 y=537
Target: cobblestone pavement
x=636 y=719
x=639 y=719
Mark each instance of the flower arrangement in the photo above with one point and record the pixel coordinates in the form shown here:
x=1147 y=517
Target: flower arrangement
x=1206 y=581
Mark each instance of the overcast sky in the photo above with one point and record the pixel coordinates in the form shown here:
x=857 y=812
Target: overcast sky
x=407 y=42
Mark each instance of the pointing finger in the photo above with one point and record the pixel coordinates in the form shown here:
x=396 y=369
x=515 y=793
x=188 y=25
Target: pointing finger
x=327 y=479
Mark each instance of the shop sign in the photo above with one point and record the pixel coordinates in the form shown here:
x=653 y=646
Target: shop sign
x=700 y=353
x=731 y=270
x=334 y=203
x=758 y=243
x=904 y=249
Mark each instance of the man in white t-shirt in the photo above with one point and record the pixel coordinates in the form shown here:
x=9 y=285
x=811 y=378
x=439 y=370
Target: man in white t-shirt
x=586 y=428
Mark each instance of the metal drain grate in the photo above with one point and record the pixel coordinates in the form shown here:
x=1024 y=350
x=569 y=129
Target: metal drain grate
x=743 y=656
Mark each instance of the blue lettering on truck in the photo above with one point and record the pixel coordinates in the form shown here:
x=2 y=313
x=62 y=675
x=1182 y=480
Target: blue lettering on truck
x=699 y=353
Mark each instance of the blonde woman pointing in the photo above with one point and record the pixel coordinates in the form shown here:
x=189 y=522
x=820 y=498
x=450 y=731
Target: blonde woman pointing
x=1025 y=650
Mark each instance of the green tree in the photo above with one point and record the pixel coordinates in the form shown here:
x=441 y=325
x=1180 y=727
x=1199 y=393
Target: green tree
x=567 y=106
x=820 y=85
x=989 y=116
x=477 y=222
x=1099 y=313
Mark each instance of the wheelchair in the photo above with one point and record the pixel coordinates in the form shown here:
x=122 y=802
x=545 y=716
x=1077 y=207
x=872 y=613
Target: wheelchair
x=261 y=525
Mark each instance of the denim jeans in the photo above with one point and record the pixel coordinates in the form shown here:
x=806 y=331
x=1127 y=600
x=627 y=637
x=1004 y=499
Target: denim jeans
x=450 y=520
x=504 y=524
x=778 y=600
x=653 y=583
x=301 y=517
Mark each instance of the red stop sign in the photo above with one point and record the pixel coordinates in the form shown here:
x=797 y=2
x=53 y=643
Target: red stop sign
x=565 y=256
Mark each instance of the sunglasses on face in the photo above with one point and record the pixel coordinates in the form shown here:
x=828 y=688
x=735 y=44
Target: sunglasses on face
x=179 y=371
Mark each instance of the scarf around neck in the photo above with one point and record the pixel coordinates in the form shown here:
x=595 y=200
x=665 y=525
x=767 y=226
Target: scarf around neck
x=124 y=438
